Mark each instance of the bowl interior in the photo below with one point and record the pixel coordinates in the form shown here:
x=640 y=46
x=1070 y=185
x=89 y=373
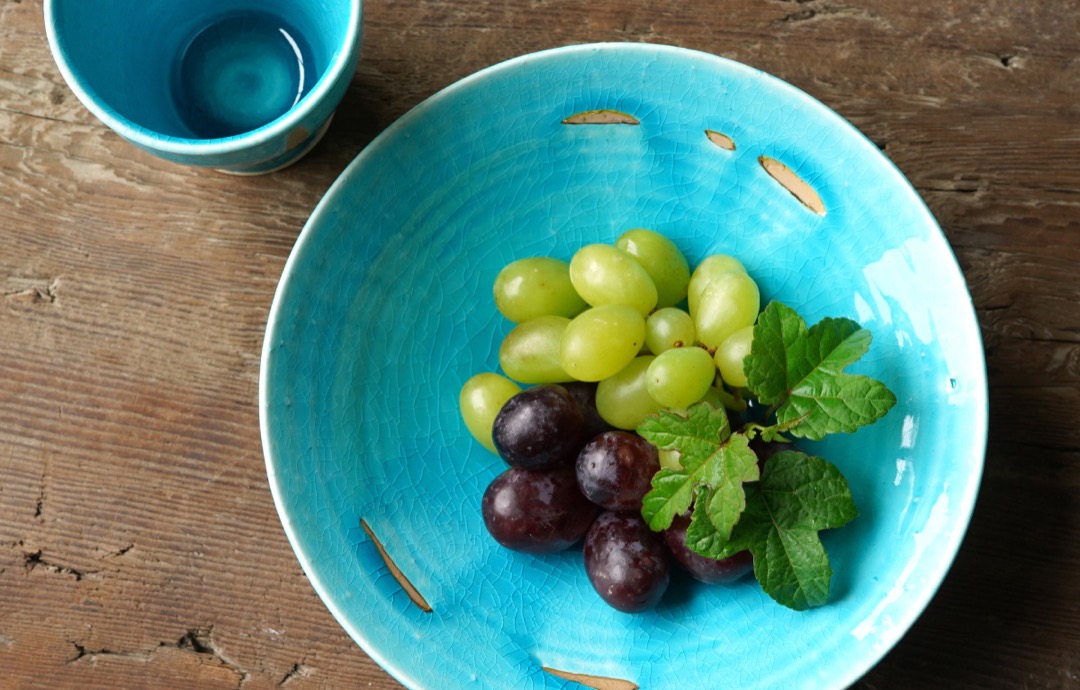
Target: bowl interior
x=385 y=309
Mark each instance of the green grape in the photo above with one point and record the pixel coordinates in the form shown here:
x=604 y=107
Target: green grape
x=603 y=274
x=600 y=341
x=717 y=397
x=537 y=286
x=729 y=302
x=622 y=400
x=730 y=355
x=680 y=377
x=667 y=328
x=706 y=271
x=670 y=459
x=480 y=400
x=728 y=401
x=662 y=260
x=530 y=352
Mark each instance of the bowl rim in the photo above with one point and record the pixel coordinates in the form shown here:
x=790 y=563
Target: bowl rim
x=980 y=407
x=344 y=60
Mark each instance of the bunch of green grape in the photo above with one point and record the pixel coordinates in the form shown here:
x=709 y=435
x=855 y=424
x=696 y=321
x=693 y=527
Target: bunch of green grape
x=631 y=317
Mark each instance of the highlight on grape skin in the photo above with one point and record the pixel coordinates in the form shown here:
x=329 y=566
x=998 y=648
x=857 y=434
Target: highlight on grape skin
x=704 y=273
x=730 y=355
x=537 y=511
x=680 y=377
x=530 y=352
x=623 y=400
x=480 y=400
x=536 y=286
x=600 y=341
x=667 y=328
x=604 y=274
x=539 y=428
x=729 y=301
x=627 y=563
x=615 y=469
x=662 y=260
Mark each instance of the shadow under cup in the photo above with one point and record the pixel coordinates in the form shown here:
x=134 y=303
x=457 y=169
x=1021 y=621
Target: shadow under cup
x=245 y=86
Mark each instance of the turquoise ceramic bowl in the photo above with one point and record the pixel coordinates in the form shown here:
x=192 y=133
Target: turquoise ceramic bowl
x=385 y=309
x=132 y=64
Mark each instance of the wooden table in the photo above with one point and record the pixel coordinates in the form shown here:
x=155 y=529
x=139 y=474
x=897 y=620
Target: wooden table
x=139 y=545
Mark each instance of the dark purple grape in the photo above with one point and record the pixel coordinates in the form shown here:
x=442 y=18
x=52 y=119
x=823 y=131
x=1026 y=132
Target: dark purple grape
x=614 y=470
x=539 y=428
x=536 y=511
x=585 y=394
x=703 y=568
x=627 y=563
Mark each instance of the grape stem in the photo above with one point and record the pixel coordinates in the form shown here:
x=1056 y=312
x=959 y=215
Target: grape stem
x=771 y=431
x=770 y=412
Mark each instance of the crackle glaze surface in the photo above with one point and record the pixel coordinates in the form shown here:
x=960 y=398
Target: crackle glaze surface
x=385 y=309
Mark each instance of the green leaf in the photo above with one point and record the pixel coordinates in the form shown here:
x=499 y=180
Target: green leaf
x=715 y=465
x=798 y=496
x=694 y=434
x=806 y=490
x=701 y=534
x=794 y=569
x=777 y=515
x=672 y=494
x=799 y=371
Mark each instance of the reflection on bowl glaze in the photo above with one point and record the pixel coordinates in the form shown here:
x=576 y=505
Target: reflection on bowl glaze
x=242 y=71
x=886 y=631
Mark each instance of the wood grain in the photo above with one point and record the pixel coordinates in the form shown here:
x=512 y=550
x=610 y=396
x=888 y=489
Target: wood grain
x=139 y=546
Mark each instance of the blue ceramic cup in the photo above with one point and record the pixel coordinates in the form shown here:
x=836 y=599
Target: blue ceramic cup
x=244 y=86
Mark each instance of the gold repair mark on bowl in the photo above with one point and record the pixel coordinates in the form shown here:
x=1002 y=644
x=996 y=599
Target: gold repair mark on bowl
x=595 y=682
x=722 y=140
x=601 y=117
x=794 y=184
x=296 y=137
x=410 y=590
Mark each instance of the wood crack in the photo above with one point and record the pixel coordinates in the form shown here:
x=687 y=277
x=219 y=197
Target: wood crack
x=195 y=640
x=119 y=552
x=91 y=655
x=201 y=641
x=39 y=116
x=800 y=16
x=32 y=290
x=39 y=506
x=298 y=670
x=34 y=560
x=823 y=11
